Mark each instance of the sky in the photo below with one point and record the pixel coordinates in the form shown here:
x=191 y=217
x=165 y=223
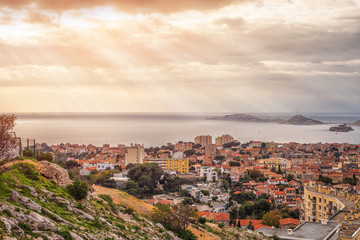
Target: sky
x=179 y=56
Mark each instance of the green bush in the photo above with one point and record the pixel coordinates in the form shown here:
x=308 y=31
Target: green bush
x=28 y=170
x=65 y=234
x=78 y=190
x=202 y=220
x=40 y=156
x=221 y=225
x=28 y=153
x=186 y=235
x=25 y=227
x=129 y=210
x=7 y=212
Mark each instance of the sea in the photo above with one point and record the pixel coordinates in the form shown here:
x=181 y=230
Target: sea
x=157 y=129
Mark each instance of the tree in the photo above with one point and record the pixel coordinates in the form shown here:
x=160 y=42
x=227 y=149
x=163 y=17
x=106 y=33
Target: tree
x=71 y=164
x=272 y=218
x=146 y=176
x=28 y=153
x=202 y=220
x=78 y=189
x=40 y=156
x=176 y=218
x=250 y=226
x=7 y=140
x=290 y=177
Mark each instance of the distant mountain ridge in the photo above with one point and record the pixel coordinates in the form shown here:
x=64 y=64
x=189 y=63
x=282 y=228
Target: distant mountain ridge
x=295 y=120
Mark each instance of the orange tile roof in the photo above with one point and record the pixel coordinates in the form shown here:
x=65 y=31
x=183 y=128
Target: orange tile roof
x=221 y=216
x=286 y=221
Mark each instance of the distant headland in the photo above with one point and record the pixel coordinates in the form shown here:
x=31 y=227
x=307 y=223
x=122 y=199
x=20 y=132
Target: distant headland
x=295 y=120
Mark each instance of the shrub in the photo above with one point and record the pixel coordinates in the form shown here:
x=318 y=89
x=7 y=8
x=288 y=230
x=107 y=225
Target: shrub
x=129 y=210
x=65 y=234
x=28 y=153
x=202 y=220
x=40 y=156
x=7 y=212
x=25 y=227
x=78 y=189
x=221 y=225
x=186 y=234
x=28 y=170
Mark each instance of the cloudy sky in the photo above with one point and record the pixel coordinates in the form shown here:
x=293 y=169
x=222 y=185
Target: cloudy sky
x=179 y=56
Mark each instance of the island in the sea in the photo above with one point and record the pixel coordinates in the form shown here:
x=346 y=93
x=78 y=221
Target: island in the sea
x=295 y=120
x=341 y=128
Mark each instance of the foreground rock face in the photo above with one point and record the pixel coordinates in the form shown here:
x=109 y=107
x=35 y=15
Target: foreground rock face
x=25 y=201
x=341 y=128
x=54 y=172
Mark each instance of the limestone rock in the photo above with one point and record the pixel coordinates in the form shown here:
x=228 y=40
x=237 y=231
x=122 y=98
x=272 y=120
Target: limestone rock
x=25 y=201
x=54 y=172
x=32 y=191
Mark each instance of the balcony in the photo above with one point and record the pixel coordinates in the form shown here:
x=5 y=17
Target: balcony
x=313 y=201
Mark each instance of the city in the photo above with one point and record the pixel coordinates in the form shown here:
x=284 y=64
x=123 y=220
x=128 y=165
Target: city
x=305 y=183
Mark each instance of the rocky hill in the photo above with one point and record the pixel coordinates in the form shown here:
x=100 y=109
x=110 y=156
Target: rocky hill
x=295 y=120
x=34 y=206
x=301 y=120
x=243 y=118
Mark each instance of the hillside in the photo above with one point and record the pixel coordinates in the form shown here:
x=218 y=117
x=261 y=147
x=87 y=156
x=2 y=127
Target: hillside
x=301 y=120
x=36 y=207
x=295 y=120
x=243 y=118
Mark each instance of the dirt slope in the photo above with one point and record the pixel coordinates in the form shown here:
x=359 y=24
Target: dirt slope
x=120 y=197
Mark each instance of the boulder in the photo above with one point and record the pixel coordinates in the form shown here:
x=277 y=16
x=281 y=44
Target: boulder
x=54 y=172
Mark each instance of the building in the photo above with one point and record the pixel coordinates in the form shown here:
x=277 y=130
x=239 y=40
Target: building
x=178 y=163
x=226 y=138
x=326 y=230
x=210 y=150
x=274 y=163
x=208 y=173
x=182 y=147
x=321 y=203
x=203 y=140
x=290 y=195
x=135 y=154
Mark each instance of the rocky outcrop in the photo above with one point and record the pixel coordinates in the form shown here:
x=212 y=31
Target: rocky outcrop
x=25 y=201
x=341 y=128
x=301 y=120
x=54 y=172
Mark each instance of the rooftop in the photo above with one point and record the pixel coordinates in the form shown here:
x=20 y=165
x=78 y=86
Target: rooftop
x=307 y=230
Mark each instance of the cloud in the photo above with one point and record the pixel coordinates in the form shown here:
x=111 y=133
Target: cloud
x=143 y=6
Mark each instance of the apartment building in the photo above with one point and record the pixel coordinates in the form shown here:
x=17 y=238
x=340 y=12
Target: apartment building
x=210 y=150
x=178 y=163
x=135 y=154
x=208 y=173
x=226 y=138
x=275 y=163
x=203 y=140
x=181 y=146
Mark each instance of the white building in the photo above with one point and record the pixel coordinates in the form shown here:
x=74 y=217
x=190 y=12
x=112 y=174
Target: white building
x=208 y=173
x=135 y=154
